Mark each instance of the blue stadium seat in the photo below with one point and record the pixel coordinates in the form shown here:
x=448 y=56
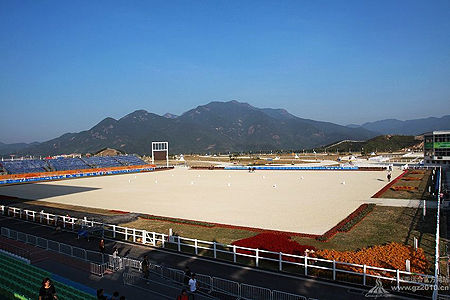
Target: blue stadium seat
x=25 y=166
x=129 y=160
x=102 y=161
x=64 y=164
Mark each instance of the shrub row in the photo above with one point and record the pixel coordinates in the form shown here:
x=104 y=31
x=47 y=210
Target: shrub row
x=176 y=220
x=404 y=188
x=411 y=178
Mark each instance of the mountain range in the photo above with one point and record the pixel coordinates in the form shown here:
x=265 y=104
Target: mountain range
x=215 y=127
x=408 y=127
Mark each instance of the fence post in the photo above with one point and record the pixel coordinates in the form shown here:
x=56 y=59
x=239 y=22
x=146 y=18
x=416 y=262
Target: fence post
x=126 y=233
x=306 y=265
x=334 y=270
x=64 y=221
x=364 y=274
x=134 y=235
x=234 y=253
x=154 y=239
x=215 y=252
x=398 y=279
x=163 y=240
x=144 y=236
x=280 y=261
x=196 y=246
x=257 y=257
x=179 y=244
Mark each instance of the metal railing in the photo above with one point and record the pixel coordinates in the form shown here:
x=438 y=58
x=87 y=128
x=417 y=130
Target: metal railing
x=307 y=265
x=114 y=263
x=210 y=284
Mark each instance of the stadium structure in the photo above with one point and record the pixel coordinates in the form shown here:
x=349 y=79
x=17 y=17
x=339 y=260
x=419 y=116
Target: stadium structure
x=248 y=230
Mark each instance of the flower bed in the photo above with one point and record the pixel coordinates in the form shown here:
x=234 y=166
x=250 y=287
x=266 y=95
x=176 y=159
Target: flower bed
x=390 y=256
x=272 y=242
x=411 y=178
x=349 y=222
x=417 y=172
x=404 y=188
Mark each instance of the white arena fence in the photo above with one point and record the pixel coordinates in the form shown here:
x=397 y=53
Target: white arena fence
x=100 y=264
x=330 y=269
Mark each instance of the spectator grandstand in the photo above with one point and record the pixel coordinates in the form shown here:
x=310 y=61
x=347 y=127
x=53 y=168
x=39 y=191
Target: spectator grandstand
x=23 y=166
x=19 y=280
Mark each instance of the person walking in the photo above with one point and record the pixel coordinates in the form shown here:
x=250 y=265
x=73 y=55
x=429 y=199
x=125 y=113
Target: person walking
x=145 y=268
x=47 y=290
x=187 y=275
x=192 y=286
x=101 y=247
x=389 y=176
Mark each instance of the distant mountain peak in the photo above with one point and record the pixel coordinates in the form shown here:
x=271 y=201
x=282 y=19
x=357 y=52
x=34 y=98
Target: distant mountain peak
x=137 y=115
x=170 y=116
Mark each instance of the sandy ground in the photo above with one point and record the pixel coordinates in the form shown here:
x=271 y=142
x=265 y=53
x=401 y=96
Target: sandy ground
x=296 y=201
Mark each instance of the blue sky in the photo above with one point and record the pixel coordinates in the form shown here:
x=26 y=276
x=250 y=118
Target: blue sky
x=66 y=65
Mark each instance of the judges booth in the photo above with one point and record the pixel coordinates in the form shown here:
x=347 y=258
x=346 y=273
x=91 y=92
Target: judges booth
x=160 y=152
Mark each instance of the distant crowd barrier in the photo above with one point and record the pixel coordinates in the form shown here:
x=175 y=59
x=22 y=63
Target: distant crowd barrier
x=47 y=176
x=288 y=168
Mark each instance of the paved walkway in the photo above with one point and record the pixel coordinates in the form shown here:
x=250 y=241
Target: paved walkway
x=309 y=287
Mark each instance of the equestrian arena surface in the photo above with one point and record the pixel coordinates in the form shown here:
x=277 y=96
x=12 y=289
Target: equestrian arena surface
x=295 y=201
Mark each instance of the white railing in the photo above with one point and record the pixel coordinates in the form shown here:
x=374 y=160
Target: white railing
x=223 y=251
x=115 y=263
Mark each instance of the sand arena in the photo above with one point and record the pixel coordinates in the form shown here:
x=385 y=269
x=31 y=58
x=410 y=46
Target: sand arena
x=295 y=201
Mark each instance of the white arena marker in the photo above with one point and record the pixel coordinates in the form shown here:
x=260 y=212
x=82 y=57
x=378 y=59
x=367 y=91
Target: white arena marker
x=302 y=177
x=156 y=181
x=129 y=180
x=192 y=182
x=274 y=186
x=198 y=175
x=135 y=177
x=229 y=184
x=343 y=182
x=264 y=177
